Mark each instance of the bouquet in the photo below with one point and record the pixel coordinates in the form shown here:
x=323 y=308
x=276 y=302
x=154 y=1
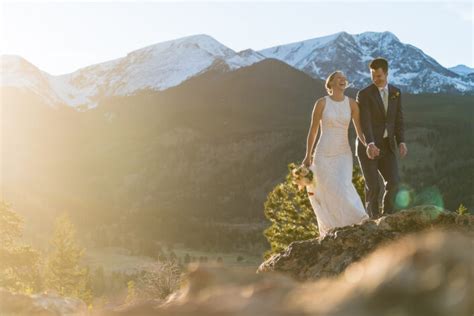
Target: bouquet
x=303 y=176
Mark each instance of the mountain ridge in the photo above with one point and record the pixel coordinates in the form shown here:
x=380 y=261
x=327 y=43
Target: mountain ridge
x=167 y=64
x=410 y=68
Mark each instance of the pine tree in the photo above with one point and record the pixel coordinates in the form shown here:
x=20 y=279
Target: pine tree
x=64 y=274
x=19 y=264
x=187 y=258
x=10 y=225
x=131 y=291
x=291 y=215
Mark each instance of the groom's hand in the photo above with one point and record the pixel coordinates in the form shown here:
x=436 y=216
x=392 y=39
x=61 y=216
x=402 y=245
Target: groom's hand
x=403 y=150
x=372 y=151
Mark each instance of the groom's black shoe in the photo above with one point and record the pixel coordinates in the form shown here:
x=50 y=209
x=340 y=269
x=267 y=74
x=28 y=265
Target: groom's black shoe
x=377 y=216
x=374 y=216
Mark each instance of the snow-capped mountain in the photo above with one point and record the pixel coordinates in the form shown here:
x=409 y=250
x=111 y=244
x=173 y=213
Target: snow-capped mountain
x=410 y=68
x=462 y=70
x=18 y=72
x=167 y=64
x=155 y=67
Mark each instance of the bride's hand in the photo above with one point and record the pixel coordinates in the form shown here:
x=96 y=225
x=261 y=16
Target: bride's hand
x=306 y=161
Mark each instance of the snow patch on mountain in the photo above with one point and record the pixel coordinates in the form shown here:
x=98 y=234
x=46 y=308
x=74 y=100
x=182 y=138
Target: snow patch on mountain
x=410 y=68
x=462 y=70
x=156 y=67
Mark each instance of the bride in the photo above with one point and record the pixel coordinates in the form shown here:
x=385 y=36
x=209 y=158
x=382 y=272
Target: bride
x=335 y=200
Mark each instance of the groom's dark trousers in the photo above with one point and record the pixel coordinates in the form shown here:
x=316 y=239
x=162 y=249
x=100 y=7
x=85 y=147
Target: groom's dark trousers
x=374 y=121
x=386 y=164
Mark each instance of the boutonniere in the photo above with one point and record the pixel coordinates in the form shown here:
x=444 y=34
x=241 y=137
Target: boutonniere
x=395 y=95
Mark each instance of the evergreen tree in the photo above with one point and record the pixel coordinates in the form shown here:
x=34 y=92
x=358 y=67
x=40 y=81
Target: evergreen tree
x=10 y=225
x=64 y=273
x=187 y=258
x=19 y=264
x=131 y=292
x=291 y=215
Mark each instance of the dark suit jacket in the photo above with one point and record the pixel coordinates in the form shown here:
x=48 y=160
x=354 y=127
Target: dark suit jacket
x=373 y=118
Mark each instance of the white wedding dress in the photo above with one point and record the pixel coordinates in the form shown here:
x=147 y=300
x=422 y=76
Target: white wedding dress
x=335 y=200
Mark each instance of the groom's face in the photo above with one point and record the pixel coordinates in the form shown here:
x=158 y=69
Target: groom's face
x=379 y=77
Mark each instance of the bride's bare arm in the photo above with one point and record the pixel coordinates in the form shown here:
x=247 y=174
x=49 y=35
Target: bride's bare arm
x=356 y=121
x=315 y=122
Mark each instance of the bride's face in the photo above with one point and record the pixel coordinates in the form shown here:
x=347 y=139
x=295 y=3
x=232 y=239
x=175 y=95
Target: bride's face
x=339 y=82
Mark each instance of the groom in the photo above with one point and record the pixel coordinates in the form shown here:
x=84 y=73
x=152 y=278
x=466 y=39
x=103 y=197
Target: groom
x=381 y=118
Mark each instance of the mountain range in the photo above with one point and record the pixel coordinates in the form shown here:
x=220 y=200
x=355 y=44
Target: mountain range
x=410 y=68
x=168 y=64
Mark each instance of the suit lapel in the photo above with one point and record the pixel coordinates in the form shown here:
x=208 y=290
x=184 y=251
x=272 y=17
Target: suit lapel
x=377 y=97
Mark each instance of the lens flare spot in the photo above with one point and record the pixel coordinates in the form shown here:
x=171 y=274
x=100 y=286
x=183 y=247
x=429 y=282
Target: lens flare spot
x=402 y=199
x=430 y=196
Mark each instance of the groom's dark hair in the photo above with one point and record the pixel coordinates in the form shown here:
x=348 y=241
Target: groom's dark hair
x=379 y=62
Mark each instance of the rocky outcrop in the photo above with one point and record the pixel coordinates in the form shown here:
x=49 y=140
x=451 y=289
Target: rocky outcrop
x=331 y=255
x=422 y=274
x=429 y=273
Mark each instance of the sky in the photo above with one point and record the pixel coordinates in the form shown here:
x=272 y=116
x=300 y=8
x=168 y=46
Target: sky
x=61 y=37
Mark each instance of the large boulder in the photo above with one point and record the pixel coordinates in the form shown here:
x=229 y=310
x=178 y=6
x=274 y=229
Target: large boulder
x=329 y=256
x=422 y=274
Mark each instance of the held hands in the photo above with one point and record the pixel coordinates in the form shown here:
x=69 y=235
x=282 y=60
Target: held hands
x=372 y=151
x=403 y=150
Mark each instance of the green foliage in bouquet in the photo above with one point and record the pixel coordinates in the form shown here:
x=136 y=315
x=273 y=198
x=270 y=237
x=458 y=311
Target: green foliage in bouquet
x=358 y=181
x=299 y=173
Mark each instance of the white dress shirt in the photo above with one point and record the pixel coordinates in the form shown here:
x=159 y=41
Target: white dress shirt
x=382 y=91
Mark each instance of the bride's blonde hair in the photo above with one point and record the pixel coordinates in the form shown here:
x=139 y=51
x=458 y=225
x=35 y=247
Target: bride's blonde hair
x=330 y=78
